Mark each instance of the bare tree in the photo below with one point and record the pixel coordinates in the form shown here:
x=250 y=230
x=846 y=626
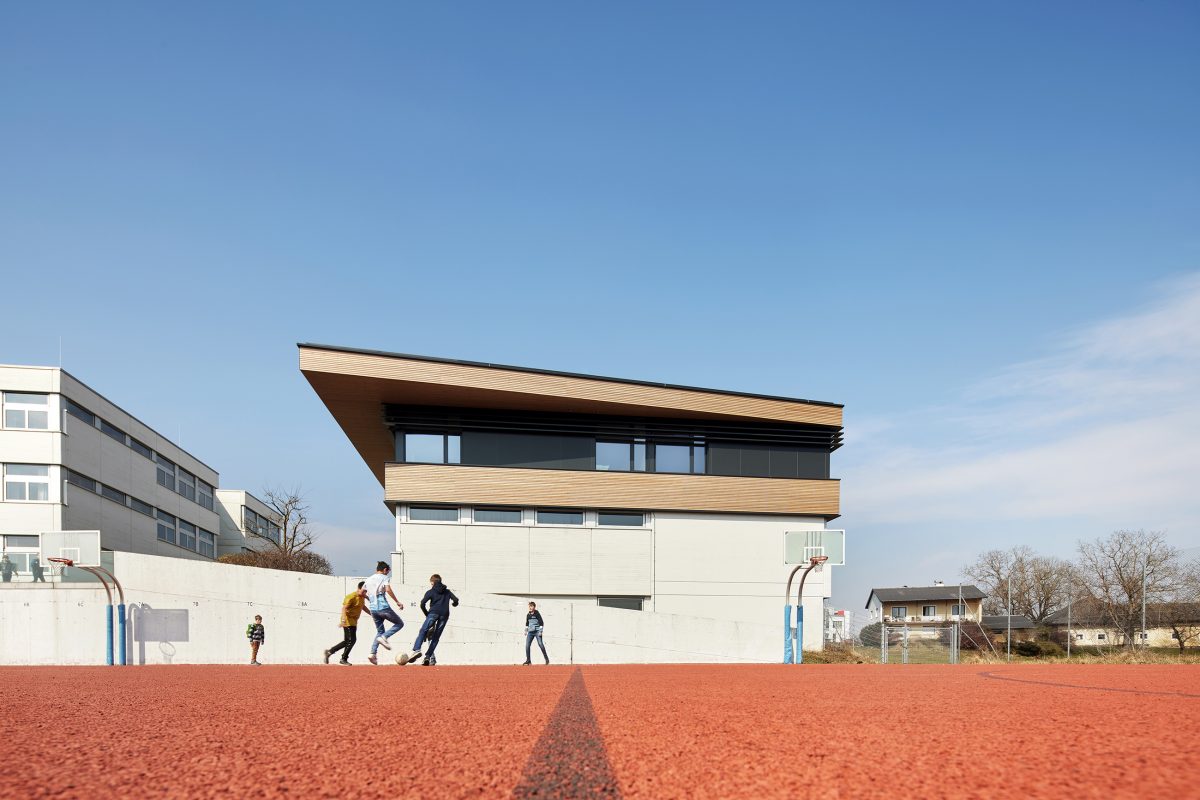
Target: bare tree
x=293 y=551
x=1111 y=570
x=1040 y=584
x=1181 y=611
x=290 y=505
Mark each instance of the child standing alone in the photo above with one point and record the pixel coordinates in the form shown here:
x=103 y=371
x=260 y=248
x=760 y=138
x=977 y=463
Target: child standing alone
x=257 y=634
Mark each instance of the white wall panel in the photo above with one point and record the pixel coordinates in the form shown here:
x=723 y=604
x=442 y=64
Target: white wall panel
x=622 y=562
x=560 y=560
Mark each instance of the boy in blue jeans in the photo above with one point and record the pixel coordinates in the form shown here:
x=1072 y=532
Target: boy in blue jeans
x=378 y=591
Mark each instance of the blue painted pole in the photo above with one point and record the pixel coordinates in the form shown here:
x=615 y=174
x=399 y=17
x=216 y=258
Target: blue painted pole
x=800 y=634
x=108 y=634
x=787 y=634
x=121 y=634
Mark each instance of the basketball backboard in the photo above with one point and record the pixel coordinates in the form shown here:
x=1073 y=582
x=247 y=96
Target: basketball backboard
x=82 y=547
x=800 y=546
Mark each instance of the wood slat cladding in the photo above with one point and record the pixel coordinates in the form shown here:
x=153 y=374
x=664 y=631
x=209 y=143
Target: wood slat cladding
x=439 y=483
x=444 y=383
x=355 y=386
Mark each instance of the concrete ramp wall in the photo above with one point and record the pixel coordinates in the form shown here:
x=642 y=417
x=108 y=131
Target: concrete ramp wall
x=192 y=612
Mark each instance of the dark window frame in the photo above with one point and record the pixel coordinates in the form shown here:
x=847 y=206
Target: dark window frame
x=539 y=512
x=435 y=507
x=497 y=510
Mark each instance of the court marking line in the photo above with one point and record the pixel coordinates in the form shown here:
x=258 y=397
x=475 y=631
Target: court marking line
x=569 y=759
x=996 y=677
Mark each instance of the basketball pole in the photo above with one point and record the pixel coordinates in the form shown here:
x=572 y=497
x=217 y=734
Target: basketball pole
x=788 y=652
x=101 y=573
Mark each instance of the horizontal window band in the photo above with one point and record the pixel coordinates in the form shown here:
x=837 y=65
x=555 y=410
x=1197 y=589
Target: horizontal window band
x=417 y=419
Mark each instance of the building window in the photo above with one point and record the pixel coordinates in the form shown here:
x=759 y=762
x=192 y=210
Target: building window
x=621 y=456
x=81 y=413
x=112 y=431
x=187 y=484
x=1079 y=637
x=140 y=507
x=258 y=525
x=187 y=535
x=82 y=481
x=899 y=612
x=621 y=518
x=679 y=458
x=1101 y=636
x=140 y=448
x=207 y=544
x=629 y=603
x=511 y=516
x=928 y=611
x=1175 y=636
x=432 y=514
x=205 y=493
x=166 y=472
x=26 y=411
x=27 y=482
x=112 y=494
x=432 y=448
x=559 y=517
x=958 y=610
x=166 y=527
x=1143 y=636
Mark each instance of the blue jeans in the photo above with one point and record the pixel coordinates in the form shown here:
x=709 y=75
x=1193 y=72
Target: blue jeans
x=529 y=637
x=437 y=623
x=387 y=615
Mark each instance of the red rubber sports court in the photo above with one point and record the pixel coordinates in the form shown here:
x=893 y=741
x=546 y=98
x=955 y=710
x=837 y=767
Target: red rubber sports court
x=820 y=731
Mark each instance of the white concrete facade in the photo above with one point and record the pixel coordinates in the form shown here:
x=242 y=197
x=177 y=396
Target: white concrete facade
x=717 y=566
x=247 y=523
x=98 y=468
x=196 y=612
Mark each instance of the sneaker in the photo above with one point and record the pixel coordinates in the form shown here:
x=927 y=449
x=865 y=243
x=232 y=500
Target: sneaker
x=327 y=654
x=432 y=661
x=345 y=663
x=526 y=664
x=373 y=660
x=255 y=664
x=415 y=655
x=426 y=663
x=383 y=642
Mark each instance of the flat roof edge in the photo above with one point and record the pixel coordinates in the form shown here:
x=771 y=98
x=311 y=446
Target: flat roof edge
x=562 y=374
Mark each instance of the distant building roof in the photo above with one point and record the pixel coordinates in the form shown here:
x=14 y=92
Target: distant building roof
x=1000 y=622
x=1090 y=614
x=916 y=594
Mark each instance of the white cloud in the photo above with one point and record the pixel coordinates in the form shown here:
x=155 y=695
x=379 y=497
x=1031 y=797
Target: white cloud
x=1106 y=426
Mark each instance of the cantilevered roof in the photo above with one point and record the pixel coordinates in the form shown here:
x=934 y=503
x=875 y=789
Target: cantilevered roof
x=356 y=384
x=916 y=594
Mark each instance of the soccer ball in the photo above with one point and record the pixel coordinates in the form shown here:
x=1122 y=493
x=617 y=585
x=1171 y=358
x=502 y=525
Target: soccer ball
x=402 y=659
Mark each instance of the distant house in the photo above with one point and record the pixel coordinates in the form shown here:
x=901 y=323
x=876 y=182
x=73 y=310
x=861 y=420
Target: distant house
x=1166 y=625
x=926 y=605
x=998 y=626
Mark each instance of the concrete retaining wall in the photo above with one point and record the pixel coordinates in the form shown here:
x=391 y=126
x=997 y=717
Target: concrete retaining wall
x=190 y=612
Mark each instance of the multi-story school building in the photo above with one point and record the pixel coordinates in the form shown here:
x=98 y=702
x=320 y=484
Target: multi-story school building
x=73 y=460
x=621 y=493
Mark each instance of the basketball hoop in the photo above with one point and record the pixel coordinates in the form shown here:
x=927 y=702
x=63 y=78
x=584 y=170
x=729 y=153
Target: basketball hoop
x=66 y=562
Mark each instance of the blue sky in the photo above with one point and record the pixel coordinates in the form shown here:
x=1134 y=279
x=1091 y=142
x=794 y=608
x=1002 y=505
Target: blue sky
x=965 y=223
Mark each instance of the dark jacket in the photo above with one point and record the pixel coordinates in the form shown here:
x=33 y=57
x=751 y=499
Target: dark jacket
x=437 y=600
x=534 y=620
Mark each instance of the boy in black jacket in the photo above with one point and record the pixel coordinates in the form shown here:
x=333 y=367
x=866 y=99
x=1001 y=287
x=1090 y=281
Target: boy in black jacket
x=533 y=630
x=435 y=605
